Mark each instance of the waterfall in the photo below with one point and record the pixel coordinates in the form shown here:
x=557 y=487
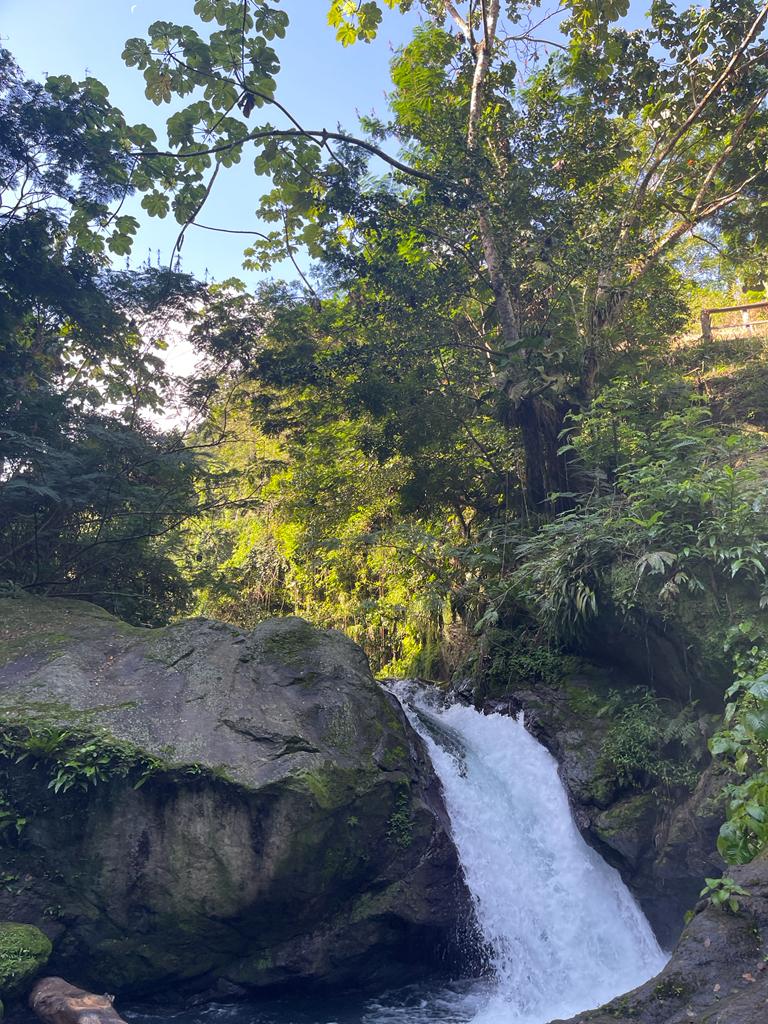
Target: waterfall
x=563 y=932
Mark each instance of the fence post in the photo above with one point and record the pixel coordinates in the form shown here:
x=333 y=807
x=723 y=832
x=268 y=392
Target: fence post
x=706 y=325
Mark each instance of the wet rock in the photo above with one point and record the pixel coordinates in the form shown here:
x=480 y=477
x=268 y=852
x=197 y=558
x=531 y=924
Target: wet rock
x=263 y=814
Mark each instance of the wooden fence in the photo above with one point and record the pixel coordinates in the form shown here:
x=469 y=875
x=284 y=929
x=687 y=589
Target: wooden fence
x=744 y=309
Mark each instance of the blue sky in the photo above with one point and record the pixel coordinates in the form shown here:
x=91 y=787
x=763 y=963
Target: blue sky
x=320 y=81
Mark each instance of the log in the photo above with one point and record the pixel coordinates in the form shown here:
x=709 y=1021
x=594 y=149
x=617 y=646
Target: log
x=55 y=1001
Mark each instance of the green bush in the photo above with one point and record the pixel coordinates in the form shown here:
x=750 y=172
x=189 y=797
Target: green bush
x=646 y=746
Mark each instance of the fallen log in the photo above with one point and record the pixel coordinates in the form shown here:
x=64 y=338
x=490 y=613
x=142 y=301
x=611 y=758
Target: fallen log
x=55 y=1001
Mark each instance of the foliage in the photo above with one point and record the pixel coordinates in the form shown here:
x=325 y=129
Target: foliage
x=742 y=743
x=676 y=509
x=519 y=655
x=73 y=758
x=646 y=746
x=525 y=240
x=315 y=528
x=723 y=892
x=90 y=487
x=12 y=821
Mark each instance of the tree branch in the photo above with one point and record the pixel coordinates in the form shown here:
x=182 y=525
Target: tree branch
x=701 y=106
x=290 y=133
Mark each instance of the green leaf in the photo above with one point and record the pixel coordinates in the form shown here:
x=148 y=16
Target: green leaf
x=156 y=204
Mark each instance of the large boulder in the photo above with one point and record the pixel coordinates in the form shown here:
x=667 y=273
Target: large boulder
x=201 y=806
x=717 y=973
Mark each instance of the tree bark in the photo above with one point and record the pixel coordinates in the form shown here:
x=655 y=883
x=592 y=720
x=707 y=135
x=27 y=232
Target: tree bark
x=541 y=422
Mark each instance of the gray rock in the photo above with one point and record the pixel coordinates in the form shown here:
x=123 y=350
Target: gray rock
x=290 y=828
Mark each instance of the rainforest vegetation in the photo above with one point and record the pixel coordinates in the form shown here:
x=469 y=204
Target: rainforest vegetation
x=475 y=426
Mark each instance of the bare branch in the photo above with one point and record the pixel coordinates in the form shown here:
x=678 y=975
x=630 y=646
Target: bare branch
x=463 y=25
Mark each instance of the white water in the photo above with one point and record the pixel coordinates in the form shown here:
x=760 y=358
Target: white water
x=563 y=931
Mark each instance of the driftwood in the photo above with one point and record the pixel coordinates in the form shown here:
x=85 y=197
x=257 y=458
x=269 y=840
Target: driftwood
x=55 y=1001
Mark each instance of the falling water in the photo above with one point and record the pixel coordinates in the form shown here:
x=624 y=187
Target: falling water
x=562 y=930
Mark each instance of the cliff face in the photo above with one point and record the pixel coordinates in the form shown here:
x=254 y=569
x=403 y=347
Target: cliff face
x=197 y=806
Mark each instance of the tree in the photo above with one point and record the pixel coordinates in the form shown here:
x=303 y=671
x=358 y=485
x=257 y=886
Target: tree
x=90 y=489
x=567 y=170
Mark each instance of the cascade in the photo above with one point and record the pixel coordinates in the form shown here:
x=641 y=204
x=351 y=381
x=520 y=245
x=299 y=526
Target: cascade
x=562 y=931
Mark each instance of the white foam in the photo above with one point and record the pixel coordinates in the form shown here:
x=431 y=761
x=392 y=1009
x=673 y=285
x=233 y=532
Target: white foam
x=563 y=931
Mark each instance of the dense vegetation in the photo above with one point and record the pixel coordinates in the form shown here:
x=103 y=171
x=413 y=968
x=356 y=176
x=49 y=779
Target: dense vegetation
x=481 y=431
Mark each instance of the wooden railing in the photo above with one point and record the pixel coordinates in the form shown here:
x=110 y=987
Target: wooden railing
x=744 y=309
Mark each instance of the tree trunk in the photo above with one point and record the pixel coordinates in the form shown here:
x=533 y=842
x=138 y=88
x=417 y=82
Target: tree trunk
x=541 y=422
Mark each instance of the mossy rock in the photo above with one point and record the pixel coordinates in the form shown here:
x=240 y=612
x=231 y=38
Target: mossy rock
x=628 y=825
x=24 y=951
x=201 y=803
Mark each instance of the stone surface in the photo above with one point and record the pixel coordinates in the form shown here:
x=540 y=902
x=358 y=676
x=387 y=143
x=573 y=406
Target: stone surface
x=24 y=951
x=296 y=831
x=55 y=1001
x=717 y=973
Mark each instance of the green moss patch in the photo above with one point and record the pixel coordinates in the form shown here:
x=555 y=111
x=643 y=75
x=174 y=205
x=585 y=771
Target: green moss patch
x=24 y=951
x=290 y=642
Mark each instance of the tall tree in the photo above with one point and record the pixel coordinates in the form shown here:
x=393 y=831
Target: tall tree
x=566 y=169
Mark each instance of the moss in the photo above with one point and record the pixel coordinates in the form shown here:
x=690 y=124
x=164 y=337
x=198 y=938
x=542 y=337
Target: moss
x=290 y=643
x=627 y=815
x=400 y=825
x=392 y=754
x=47 y=646
x=620 y=1008
x=333 y=786
x=371 y=905
x=24 y=951
x=673 y=987
x=582 y=700
x=49 y=713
